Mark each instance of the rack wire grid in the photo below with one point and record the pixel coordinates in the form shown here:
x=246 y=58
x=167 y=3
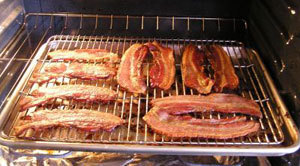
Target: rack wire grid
x=131 y=107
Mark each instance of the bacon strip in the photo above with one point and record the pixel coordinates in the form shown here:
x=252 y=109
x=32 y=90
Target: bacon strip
x=218 y=102
x=130 y=74
x=83 y=119
x=162 y=73
x=94 y=55
x=190 y=120
x=74 y=70
x=193 y=73
x=168 y=125
x=224 y=73
x=83 y=93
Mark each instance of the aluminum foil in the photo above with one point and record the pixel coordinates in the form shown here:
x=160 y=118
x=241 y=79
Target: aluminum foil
x=11 y=157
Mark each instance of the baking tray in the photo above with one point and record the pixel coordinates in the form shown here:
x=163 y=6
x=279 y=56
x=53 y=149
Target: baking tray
x=278 y=134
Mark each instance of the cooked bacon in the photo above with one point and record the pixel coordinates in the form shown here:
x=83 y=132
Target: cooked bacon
x=224 y=73
x=162 y=73
x=218 y=102
x=190 y=120
x=171 y=126
x=82 y=93
x=83 y=119
x=94 y=55
x=130 y=74
x=74 y=70
x=193 y=72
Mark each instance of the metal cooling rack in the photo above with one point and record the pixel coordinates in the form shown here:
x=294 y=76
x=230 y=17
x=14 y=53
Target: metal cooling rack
x=132 y=107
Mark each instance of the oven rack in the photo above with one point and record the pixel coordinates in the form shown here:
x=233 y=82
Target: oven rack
x=254 y=85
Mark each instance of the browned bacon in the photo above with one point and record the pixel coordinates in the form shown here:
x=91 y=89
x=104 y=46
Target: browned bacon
x=224 y=73
x=94 y=55
x=83 y=93
x=190 y=120
x=83 y=119
x=130 y=74
x=193 y=73
x=74 y=70
x=162 y=73
x=172 y=126
x=218 y=102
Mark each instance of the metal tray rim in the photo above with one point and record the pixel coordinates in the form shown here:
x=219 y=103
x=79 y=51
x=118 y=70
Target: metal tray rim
x=171 y=150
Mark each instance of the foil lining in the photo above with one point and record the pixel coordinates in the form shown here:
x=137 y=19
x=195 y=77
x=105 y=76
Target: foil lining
x=11 y=157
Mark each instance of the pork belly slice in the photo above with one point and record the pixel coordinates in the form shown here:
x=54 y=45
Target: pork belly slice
x=82 y=93
x=174 y=126
x=130 y=74
x=90 y=55
x=83 y=119
x=224 y=73
x=162 y=73
x=218 y=102
x=74 y=70
x=193 y=72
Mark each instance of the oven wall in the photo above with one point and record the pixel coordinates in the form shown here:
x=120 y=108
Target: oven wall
x=275 y=30
x=205 y=8
x=11 y=18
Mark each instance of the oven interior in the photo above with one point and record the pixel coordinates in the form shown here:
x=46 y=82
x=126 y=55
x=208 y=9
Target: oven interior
x=271 y=28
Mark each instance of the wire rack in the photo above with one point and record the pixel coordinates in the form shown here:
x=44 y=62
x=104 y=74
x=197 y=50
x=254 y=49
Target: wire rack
x=117 y=33
x=132 y=107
